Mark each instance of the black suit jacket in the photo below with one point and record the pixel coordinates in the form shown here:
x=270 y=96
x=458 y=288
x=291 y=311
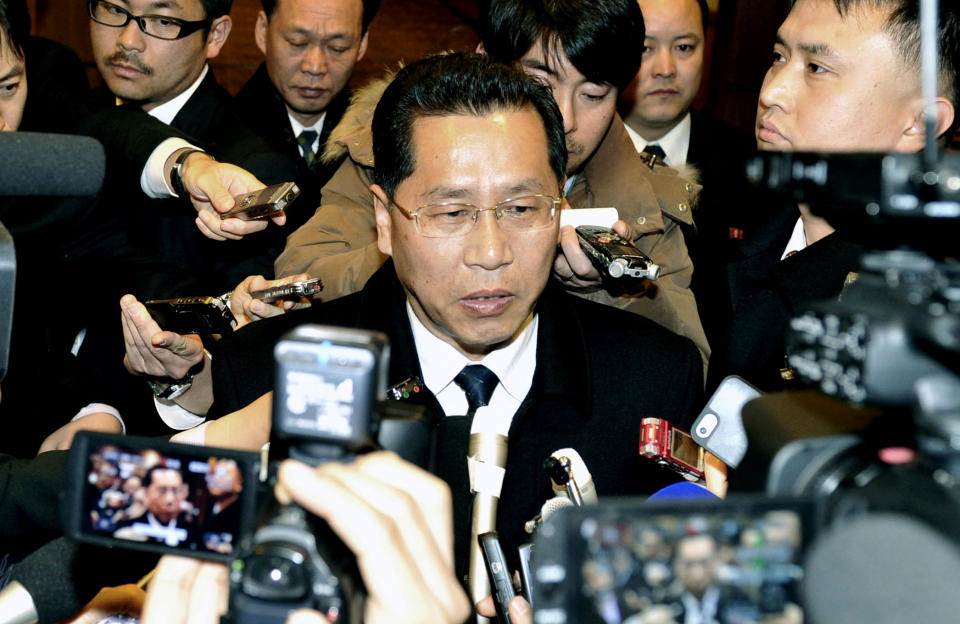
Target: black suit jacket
x=766 y=292
x=211 y=121
x=723 y=212
x=263 y=109
x=599 y=372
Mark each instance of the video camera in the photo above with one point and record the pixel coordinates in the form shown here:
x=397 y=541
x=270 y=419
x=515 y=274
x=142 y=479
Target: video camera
x=330 y=404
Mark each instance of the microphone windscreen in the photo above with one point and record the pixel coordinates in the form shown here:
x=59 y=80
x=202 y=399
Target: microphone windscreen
x=553 y=505
x=682 y=491
x=52 y=165
x=63 y=576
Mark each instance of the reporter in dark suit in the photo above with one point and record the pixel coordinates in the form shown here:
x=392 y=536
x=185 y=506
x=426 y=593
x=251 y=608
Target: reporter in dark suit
x=300 y=92
x=661 y=120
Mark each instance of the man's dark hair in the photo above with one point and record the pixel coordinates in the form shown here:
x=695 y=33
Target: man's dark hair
x=14 y=25
x=903 y=28
x=704 y=14
x=370 y=8
x=602 y=38
x=455 y=84
x=148 y=478
x=216 y=8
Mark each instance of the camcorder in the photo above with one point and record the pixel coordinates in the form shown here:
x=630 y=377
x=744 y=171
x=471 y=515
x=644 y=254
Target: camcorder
x=330 y=404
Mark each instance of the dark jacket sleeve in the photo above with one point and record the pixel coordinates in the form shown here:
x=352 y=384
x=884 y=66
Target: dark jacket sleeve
x=30 y=500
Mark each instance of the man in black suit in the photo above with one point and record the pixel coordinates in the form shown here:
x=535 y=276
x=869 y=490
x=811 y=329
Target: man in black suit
x=156 y=60
x=845 y=77
x=660 y=120
x=164 y=521
x=300 y=92
x=472 y=233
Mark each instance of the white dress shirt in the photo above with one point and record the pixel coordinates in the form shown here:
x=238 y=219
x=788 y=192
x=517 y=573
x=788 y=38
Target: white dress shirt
x=513 y=364
x=317 y=127
x=152 y=180
x=675 y=144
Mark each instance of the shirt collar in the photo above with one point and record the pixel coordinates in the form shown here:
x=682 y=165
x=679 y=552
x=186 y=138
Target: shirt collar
x=168 y=110
x=675 y=143
x=299 y=127
x=513 y=364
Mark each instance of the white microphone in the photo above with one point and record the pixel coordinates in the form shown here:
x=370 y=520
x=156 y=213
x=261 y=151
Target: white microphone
x=16 y=605
x=548 y=509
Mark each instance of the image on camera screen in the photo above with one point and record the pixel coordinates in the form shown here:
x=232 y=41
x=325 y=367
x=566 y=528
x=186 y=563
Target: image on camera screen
x=724 y=567
x=193 y=503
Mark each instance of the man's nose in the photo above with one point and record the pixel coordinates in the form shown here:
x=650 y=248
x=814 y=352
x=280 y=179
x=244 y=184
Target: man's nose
x=568 y=110
x=314 y=61
x=487 y=245
x=664 y=65
x=131 y=37
x=779 y=87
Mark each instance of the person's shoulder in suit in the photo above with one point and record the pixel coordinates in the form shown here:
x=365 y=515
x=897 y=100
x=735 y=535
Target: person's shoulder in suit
x=627 y=353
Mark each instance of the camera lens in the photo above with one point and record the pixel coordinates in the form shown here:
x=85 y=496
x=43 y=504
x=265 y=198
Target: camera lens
x=277 y=575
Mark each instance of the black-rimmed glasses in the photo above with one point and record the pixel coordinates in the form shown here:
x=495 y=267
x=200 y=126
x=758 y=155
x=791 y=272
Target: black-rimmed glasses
x=159 y=26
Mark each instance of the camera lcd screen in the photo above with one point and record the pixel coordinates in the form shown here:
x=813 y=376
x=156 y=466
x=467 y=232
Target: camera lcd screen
x=685 y=449
x=645 y=562
x=154 y=495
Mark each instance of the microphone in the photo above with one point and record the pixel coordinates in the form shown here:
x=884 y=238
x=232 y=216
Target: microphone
x=579 y=475
x=61 y=577
x=52 y=165
x=550 y=507
x=884 y=185
x=683 y=490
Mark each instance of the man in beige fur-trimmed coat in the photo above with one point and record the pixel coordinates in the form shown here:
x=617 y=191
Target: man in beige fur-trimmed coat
x=338 y=244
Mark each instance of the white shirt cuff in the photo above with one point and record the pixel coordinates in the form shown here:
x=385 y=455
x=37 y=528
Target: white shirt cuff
x=100 y=408
x=175 y=416
x=196 y=435
x=152 y=180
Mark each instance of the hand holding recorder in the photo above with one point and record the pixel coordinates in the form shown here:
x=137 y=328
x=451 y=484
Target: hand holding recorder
x=574 y=267
x=213 y=188
x=257 y=298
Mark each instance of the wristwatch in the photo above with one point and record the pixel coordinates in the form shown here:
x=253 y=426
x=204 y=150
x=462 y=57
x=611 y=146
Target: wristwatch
x=176 y=177
x=169 y=390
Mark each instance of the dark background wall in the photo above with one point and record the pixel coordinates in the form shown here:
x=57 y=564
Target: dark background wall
x=739 y=43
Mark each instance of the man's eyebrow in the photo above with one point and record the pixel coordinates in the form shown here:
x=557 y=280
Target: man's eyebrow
x=17 y=70
x=815 y=49
x=303 y=30
x=538 y=65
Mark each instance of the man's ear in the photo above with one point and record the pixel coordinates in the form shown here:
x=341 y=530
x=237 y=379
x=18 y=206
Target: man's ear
x=363 y=46
x=260 y=32
x=219 y=31
x=381 y=205
x=912 y=139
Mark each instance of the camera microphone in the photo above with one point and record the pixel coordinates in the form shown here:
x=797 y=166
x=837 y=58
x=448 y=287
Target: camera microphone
x=579 y=475
x=54 y=165
x=58 y=579
x=890 y=185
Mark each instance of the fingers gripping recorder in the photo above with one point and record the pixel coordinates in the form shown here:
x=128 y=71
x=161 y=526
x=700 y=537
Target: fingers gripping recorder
x=615 y=256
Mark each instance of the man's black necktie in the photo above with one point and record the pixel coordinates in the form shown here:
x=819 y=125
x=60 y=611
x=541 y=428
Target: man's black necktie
x=486 y=449
x=478 y=383
x=656 y=150
x=305 y=141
